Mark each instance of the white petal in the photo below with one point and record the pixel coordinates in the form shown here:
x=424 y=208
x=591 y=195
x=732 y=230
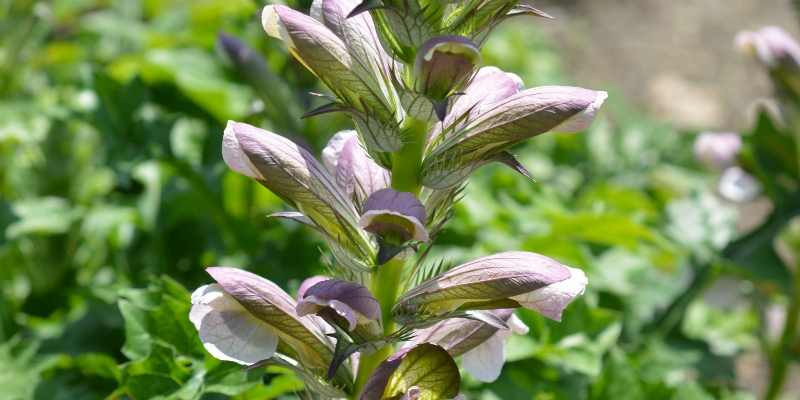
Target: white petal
x=517 y=326
x=551 y=300
x=228 y=331
x=332 y=151
x=316 y=11
x=271 y=23
x=485 y=362
x=738 y=186
x=233 y=155
x=583 y=120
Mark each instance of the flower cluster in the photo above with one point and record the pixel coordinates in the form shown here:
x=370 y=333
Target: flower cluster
x=388 y=325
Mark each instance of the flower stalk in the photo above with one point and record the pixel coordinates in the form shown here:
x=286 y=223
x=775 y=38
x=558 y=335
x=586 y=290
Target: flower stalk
x=407 y=162
x=781 y=354
x=425 y=116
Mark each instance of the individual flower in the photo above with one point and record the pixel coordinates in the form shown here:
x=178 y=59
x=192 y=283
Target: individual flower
x=481 y=346
x=394 y=216
x=243 y=318
x=738 y=186
x=444 y=65
x=717 y=150
x=228 y=331
x=354 y=170
x=297 y=177
x=347 y=304
x=510 y=121
x=505 y=280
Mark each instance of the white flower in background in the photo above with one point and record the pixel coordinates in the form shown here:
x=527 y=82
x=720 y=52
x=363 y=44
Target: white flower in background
x=738 y=186
x=717 y=150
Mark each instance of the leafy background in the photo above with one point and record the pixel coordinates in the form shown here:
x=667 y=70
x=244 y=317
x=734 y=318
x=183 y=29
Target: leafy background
x=113 y=197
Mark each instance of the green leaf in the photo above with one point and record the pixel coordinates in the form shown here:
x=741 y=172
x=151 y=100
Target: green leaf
x=168 y=360
x=702 y=223
x=727 y=331
x=200 y=78
x=186 y=140
x=429 y=368
x=41 y=216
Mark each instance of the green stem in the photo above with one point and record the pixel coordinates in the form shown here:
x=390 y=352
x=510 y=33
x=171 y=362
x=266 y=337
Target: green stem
x=407 y=162
x=781 y=357
x=385 y=286
x=387 y=280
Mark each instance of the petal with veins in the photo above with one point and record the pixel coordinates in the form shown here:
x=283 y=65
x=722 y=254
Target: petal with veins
x=551 y=300
x=485 y=362
x=227 y=330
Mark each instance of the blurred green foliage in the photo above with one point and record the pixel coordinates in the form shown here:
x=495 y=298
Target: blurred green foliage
x=113 y=197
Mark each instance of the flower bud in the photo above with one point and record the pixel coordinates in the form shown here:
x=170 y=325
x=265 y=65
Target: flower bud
x=504 y=280
x=347 y=304
x=717 y=150
x=394 y=216
x=443 y=66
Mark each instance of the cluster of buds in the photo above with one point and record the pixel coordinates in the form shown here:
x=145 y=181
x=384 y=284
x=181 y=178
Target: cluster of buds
x=387 y=324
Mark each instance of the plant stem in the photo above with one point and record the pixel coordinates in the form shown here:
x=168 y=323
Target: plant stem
x=386 y=280
x=781 y=357
x=407 y=162
x=385 y=285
